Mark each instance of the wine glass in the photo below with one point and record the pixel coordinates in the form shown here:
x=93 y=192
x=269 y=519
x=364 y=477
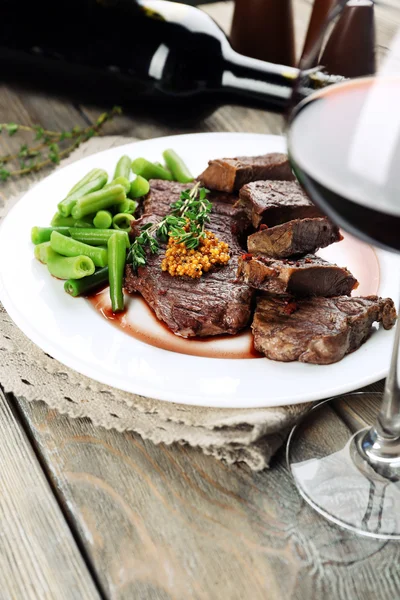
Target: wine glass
x=344 y=146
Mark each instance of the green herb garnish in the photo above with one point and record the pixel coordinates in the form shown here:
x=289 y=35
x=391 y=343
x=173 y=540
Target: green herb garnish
x=185 y=224
x=52 y=146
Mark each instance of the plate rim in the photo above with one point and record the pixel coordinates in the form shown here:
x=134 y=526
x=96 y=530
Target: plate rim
x=211 y=401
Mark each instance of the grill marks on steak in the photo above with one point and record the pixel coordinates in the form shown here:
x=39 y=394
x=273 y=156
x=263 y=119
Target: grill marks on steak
x=321 y=330
x=276 y=202
x=230 y=174
x=300 y=236
x=214 y=304
x=307 y=276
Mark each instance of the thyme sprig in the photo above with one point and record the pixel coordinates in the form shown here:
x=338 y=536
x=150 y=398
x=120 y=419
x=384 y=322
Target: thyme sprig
x=185 y=224
x=49 y=150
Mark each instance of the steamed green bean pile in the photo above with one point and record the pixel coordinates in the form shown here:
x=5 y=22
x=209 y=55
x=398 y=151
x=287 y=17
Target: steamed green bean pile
x=87 y=241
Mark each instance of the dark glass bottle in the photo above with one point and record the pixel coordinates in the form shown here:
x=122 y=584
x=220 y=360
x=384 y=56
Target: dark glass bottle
x=161 y=55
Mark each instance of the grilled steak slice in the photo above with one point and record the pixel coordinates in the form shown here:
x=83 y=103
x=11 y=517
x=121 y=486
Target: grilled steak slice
x=214 y=304
x=320 y=330
x=163 y=193
x=276 y=202
x=230 y=174
x=307 y=276
x=301 y=236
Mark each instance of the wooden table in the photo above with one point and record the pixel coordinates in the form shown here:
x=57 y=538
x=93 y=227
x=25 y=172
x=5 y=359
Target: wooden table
x=87 y=513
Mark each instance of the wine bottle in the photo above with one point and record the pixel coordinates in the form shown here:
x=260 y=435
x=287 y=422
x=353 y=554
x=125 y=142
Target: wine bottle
x=167 y=57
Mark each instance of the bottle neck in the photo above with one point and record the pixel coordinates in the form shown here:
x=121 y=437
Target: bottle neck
x=263 y=84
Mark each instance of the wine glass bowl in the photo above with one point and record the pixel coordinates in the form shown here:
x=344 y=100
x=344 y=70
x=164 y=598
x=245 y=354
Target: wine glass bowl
x=342 y=485
x=344 y=146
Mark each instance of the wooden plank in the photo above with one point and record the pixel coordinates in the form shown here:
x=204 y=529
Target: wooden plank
x=39 y=557
x=168 y=522
x=360 y=410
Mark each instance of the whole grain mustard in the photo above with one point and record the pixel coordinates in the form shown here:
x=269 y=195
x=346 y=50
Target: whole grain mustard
x=179 y=260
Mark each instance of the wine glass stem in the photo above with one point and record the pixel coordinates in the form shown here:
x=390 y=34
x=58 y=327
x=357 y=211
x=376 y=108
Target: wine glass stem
x=381 y=444
x=388 y=422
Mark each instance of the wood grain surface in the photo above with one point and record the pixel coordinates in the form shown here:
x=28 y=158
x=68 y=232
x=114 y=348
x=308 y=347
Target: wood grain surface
x=157 y=522
x=39 y=557
x=170 y=523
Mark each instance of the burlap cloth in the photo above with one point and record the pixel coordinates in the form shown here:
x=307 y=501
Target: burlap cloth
x=251 y=436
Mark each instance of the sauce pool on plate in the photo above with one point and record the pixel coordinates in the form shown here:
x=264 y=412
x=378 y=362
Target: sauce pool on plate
x=140 y=322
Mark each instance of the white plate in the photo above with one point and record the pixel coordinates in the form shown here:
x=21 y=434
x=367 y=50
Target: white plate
x=71 y=331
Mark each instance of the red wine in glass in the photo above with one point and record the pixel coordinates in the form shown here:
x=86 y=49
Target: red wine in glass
x=344 y=145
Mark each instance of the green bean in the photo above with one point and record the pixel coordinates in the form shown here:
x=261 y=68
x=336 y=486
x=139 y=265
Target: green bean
x=148 y=170
x=92 y=185
x=93 y=174
x=70 y=247
x=177 y=167
x=126 y=184
x=97 y=237
x=98 y=201
x=117 y=259
x=123 y=168
x=42 y=234
x=59 y=221
x=123 y=221
x=83 y=223
x=69 y=268
x=103 y=219
x=42 y=251
x=82 y=287
x=139 y=187
x=129 y=206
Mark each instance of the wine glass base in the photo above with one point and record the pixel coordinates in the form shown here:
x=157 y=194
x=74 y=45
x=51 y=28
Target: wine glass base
x=336 y=479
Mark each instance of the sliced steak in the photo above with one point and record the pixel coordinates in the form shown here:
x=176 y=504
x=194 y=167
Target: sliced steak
x=319 y=330
x=301 y=236
x=307 y=276
x=163 y=193
x=214 y=304
x=230 y=174
x=276 y=202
